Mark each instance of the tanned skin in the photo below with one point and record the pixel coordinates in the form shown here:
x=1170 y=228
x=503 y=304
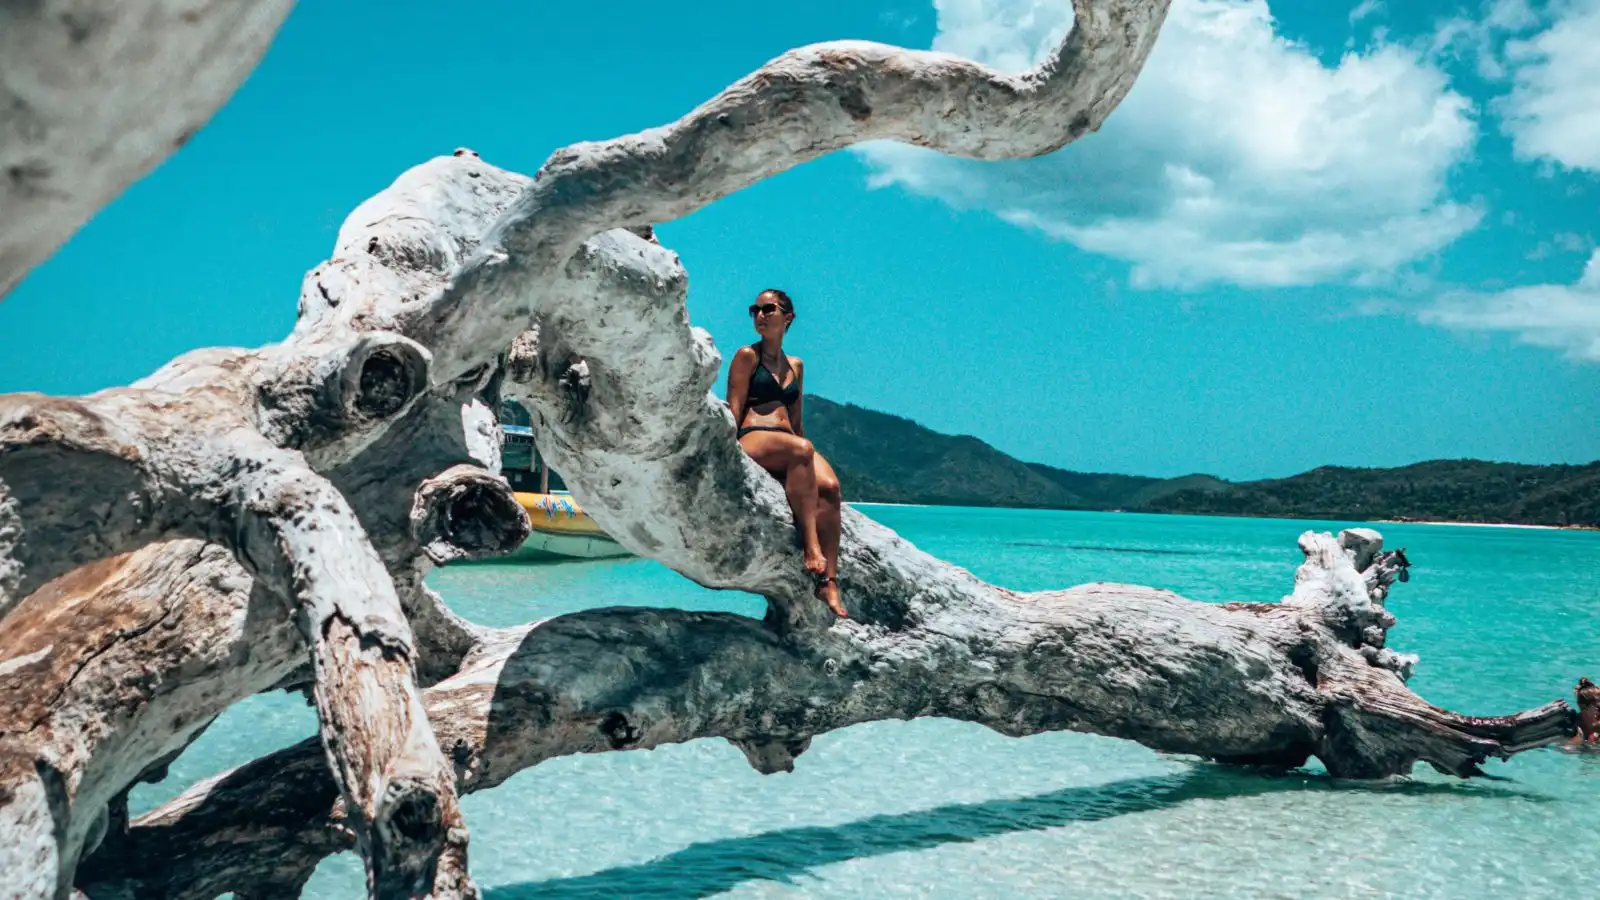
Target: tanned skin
x=1588 y=697
x=809 y=481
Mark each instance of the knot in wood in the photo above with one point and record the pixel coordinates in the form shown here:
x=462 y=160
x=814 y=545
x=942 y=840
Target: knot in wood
x=619 y=732
x=481 y=517
x=465 y=512
x=407 y=832
x=414 y=815
x=385 y=385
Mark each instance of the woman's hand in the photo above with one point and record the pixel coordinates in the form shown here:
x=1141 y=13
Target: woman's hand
x=795 y=421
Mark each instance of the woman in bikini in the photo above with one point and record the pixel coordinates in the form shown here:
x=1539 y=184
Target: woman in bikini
x=764 y=391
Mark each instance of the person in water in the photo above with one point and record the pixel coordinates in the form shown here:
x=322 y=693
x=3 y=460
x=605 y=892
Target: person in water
x=765 y=390
x=1588 y=697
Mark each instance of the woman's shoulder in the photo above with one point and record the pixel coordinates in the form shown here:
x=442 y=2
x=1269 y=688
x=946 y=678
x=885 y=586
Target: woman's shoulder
x=746 y=353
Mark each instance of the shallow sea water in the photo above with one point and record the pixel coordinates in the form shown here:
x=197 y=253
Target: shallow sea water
x=1504 y=619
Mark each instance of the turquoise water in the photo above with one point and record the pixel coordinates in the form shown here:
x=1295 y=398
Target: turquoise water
x=1504 y=619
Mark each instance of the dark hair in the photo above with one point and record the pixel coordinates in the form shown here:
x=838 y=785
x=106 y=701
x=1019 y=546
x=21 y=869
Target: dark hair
x=782 y=299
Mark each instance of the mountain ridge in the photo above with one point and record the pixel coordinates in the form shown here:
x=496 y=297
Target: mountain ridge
x=889 y=458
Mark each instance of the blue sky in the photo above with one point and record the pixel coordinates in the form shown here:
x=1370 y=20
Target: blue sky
x=1328 y=233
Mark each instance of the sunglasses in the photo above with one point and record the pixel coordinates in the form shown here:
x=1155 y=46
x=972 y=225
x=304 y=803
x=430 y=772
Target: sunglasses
x=763 y=308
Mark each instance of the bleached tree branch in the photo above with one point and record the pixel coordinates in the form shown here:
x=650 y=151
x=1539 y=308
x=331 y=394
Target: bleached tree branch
x=1270 y=684
x=327 y=474
x=95 y=95
x=798 y=107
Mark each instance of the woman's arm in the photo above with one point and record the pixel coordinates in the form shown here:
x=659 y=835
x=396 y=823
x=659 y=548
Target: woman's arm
x=795 y=421
x=739 y=369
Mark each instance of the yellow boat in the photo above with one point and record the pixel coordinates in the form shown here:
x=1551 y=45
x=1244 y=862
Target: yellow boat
x=561 y=529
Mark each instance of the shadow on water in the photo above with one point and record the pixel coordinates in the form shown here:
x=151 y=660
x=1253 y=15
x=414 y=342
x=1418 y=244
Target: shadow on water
x=713 y=867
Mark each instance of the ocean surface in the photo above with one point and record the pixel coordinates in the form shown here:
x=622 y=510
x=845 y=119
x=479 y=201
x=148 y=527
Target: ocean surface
x=1504 y=619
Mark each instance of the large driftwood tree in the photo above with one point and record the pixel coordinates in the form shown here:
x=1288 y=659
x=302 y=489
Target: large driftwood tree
x=244 y=520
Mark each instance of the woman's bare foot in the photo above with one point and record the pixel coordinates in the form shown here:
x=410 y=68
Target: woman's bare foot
x=815 y=562
x=828 y=592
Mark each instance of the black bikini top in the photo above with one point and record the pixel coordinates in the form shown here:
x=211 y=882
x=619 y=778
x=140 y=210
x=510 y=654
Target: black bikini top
x=764 y=387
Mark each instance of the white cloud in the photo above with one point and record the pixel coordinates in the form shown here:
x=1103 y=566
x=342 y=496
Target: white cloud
x=1238 y=156
x=1561 y=242
x=1553 y=110
x=1565 y=317
x=1366 y=9
x=1482 y=38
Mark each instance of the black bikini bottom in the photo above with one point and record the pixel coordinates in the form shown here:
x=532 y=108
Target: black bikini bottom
x=745 y=431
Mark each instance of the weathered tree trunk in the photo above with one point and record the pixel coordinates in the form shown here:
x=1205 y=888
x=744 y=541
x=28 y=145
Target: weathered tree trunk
x=1270 y=684
x=94 y=95
x=248 y=520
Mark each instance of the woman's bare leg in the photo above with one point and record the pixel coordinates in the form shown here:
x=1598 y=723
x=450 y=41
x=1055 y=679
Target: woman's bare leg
x=829 y=501
x=791 y=458
x=800 y=483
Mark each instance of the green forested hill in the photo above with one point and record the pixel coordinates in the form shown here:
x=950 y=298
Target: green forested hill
x=1457 y=490
x=892 y=459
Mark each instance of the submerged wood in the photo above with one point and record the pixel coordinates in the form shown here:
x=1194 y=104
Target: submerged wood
x=264 y=519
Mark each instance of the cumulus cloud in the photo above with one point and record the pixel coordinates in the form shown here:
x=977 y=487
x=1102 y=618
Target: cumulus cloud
x=1565 y=317
x=1553 y=109
x=1481 y=38
x=1237 y=157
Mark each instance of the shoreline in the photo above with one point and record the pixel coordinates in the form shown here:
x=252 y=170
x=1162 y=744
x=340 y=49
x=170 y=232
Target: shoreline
x=905 y=505
x=1228 y=515
x=1478 y=524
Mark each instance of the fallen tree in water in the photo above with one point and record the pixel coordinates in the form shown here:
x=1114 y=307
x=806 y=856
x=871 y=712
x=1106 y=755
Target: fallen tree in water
x=1259 y=684
x=245 y=520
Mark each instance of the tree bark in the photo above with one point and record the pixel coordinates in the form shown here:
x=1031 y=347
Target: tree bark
x=201 y=448
x=298 y=494
x=94 y=95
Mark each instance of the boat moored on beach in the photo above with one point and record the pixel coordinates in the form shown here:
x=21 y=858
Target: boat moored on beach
x=561 y=529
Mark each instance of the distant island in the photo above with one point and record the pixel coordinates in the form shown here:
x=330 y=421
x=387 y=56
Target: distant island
x=890 y=459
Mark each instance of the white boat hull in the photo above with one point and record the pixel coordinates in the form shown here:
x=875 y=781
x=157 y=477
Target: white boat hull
x=544 y=544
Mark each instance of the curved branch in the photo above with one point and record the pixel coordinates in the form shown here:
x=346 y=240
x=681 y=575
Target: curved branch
x=84 y=479
x=818 y=99
x=189 y=847
x=449 y=430
x=373 y=725
x=299 y=539
x=332 y=397
x=93 y=96
x=480 y=245
x=114 y=666
x=87 y=478
x=116 y=502
x=802 y=105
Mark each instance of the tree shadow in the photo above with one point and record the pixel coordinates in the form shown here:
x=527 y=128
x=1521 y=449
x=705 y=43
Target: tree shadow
x=712 y=867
